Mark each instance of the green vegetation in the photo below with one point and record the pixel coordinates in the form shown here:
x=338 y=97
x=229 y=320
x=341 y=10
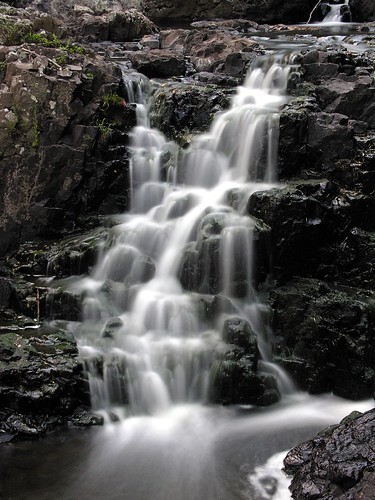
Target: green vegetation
x=13 y=33
x=3 y=67
x=17 y=33
x=109 y=100
x=54 y=42
x=105 y=127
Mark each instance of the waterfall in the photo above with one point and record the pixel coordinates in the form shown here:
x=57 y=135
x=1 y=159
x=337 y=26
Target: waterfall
x=336 y=10
x=144 y=338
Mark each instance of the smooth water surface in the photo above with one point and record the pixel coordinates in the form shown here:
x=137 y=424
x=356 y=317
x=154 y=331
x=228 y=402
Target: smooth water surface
x=189 y=453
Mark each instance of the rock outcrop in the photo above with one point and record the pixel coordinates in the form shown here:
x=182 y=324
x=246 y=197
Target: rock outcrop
x=42 y=383
x=337 y=463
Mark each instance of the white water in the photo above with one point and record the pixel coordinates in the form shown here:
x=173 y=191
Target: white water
x=144 y=337
x=334 y=15
x=147 y=345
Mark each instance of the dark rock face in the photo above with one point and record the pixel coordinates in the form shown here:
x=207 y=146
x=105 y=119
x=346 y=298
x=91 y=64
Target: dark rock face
x=362 y=10
x=324 y=337
x=337 y=463
x=63 y=147
x=269 y=11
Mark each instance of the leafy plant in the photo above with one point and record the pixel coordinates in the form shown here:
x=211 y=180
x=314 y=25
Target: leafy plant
x=105 y=128
x=13 y=33
x=112 y=100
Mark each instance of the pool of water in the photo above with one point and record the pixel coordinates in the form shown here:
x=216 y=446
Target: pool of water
x=188 y=453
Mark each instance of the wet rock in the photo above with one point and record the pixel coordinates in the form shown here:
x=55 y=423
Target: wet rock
x=323 y=337
x=299 y=222
x=63 y=304
x=330 y=135
x=204 y=263
x=83 y=417
x=355 y=259
x=220 y=50
x=235 y=376
x=181 y=109
x=111 y=327
x=7 y=293
x=337 y=463
x=41 y=380
x=362 y=10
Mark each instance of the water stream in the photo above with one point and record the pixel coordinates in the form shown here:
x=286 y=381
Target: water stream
x=144 y=337
x=336 y=12
x=146 y=342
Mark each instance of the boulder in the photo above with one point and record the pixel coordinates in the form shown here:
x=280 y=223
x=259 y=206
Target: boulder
x=158 y=63
x=349 y=95
x=236 y=379
x=337 y=463
x=117 y=26
x=182 y=109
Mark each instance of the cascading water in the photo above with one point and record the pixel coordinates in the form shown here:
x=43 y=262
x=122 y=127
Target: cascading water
x=148 y=347
x=143 y=336
x=336 y=11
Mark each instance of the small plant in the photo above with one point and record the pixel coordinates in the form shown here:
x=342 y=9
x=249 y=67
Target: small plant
x=3 y=66
x=17 y=33
x=105 y=128
x=89 y=76
x=63 y=59
x=112 y=100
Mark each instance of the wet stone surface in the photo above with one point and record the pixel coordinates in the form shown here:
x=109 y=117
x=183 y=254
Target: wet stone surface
x=337 y=463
